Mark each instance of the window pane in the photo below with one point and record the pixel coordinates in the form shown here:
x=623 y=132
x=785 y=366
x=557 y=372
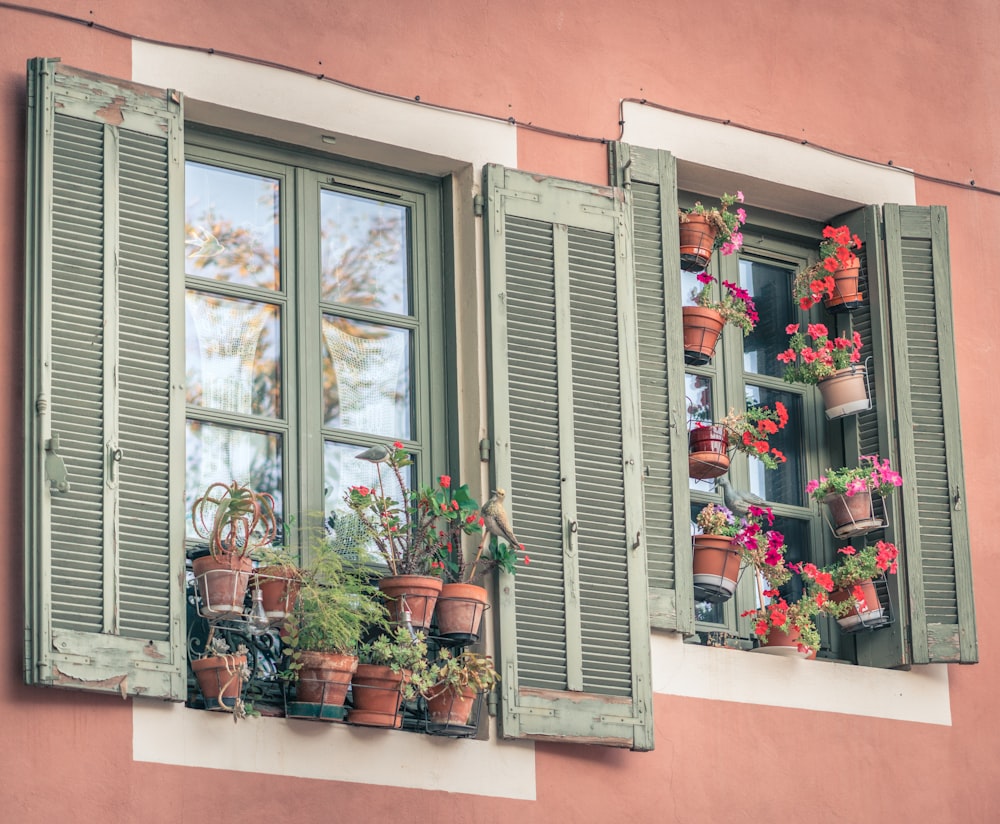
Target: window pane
x=770 y=287
x=364 y=259
x=366 y=378
x=797 y=540
x=698 y=392
x=231 y=226
x=233 y=355
x=786 y=483
x=342 y=470
x=225 y=454
x=691 y=286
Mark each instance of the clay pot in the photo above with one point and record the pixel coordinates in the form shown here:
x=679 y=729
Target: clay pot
x=702 y=328
x=324 y=677
x=447 y=707
x=844 y=392
x=716 y=567
x=460 y=610
x=708 y=448
x=414 y=593
x=780 y=642
x=376 y=696
x=852 y=514
x=845 y=291
x=219 y=680
x=868 y=615
x=697 y=243
x=222 y=584
x=279 y=589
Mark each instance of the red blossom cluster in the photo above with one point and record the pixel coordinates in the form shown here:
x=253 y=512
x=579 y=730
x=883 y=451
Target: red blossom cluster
x=808 y=361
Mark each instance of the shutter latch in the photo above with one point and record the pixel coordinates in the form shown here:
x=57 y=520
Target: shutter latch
x=957 y=498
x=115 y=456
x=55 y=468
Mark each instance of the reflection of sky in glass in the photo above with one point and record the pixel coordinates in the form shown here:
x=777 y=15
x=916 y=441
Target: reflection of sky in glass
x=366 y=377
x=342 y=469
x=233 y=357
x=364 y=259
x=691 y=286
x=231 y=226
x=698 y=399
x=224 y=454
x=770 y=287
x=785 y=484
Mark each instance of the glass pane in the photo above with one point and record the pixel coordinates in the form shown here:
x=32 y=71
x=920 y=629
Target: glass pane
x=342 y=469
x=797 y=540
x=366 y=378
x=364 y=260
x=698 y=392
x=770 y=286
x=786 y=484
x=231 y=226
x=224 y=454
x=233 y=355
x=691 y=287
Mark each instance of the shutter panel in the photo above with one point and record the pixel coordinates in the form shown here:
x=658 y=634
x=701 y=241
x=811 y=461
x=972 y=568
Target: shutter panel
x=934 y=520
x=104 y=390
x=873 y=431
x=650 y=176
x=574 y=624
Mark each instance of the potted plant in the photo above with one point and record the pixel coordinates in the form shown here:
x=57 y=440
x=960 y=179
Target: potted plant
x=847 y=492
x=850 y=582
x=391 y=668
x=834 y=278
x=704 y=322
x=748 y=432
x=278 y=578
x=457 y=681
x=235 y=520
x=221 y=676
x=786 y=629
x=335 y=607
x=725 y=544
x=831 y=364
x=703 y=229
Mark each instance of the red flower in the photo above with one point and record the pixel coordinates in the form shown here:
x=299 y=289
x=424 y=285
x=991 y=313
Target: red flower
x=831 y=264
x=791 y=329
x=454 y=505
x=527 y=560
x=445 y=481
x=779 y=455
x=397 y=444
x=817 y=330
x=779 y=407
x=788 y=356
x=847 y=550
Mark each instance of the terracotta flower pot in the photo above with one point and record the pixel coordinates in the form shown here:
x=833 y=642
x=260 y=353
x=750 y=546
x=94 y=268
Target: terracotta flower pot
x=279 y=588
x=702 y=328
x=376 y=696
x=845 y=291
x=869 y=614
x=708 y=448
x=460 y=610
x=716 y=567
x=780 y=642
x=697 y=243
x=222 y=584
x=447 y=707
x=416 y=593
x=219 y=680
x=852 y=514
x=844 y=392
x=324 y=677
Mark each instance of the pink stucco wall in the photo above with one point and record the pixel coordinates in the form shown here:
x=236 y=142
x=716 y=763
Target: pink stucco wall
x=914 y=83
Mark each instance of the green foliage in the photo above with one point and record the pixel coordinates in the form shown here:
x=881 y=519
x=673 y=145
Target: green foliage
x=456 y=672
x=234 y=518
x=402 y=652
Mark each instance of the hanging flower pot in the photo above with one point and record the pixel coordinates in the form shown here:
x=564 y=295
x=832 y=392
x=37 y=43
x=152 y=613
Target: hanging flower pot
x=702 y=328
x=846 y=295
x=852 y=515
x=708 y=447
x=716 y=567
x=844 y=392
x=866 y=612
x=459 y=612
x=697 y=242
x=416 y=594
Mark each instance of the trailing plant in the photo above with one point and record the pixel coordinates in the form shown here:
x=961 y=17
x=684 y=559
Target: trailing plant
x=812 y=355
x=235 y=519
x=728 y=225
x=236 y=670
x=736 y=305
x=836 y=251
x=748 y=431
x=459 y=672
x=871 y=475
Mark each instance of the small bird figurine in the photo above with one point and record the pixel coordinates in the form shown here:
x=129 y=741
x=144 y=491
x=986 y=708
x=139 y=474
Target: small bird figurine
x=495 y=519
x=737 y=500
x=375 y=454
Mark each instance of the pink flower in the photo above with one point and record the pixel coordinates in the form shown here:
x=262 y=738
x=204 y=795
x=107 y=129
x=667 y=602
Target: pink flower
x=741 y=214
x=739 y=196
x=817 y=330
x=791 y=329
x=856 y=486
x=705 y=277
x=812 y=486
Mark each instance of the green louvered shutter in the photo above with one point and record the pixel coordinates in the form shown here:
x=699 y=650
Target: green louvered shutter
x=650 y=176
x=873 y=432
x=934 y=521
x=104 y=394
x=574 y=624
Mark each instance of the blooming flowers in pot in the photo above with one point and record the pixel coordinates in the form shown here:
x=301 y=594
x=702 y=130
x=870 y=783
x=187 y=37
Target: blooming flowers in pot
x=853 y=600
x=724 y=224
x=871 y=475
x=735 y=306
x=748 y=431
x=813 y=355
x=795 y=621
x=836 y=253
x=758 y=545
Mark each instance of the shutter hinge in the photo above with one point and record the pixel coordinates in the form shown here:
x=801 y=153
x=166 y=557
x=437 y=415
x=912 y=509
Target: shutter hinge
x=55 y=468
x=957 y=498
x=492 y=703
x=478 y=205
x=484 y=450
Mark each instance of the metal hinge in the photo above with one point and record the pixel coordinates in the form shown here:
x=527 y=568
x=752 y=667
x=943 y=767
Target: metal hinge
x=478 y=204
x=484 y=449
x=55 y=468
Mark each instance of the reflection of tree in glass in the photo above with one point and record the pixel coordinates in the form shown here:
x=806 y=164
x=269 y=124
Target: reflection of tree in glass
x=217 y=249
x=357 y=259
